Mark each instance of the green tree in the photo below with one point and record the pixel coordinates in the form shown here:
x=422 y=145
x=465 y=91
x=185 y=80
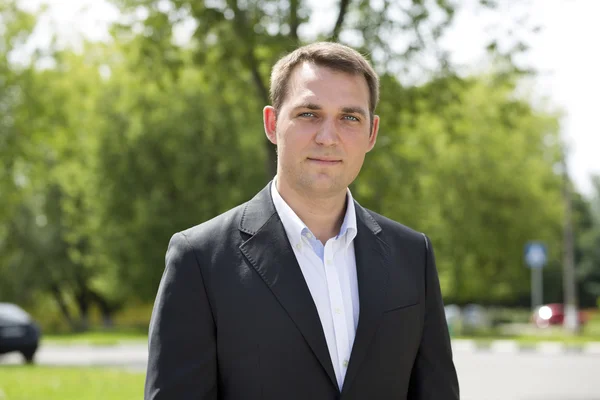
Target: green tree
x=112 y=149
x=245 y=38
x=473 y=169
x=241 y=40
x=45 y=220
x=173 y=148
x=587 y=252
x=15 y=28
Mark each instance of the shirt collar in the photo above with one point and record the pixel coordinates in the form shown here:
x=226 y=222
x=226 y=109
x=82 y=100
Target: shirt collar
x=294 y=226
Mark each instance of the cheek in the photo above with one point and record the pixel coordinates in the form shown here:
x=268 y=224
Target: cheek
x=357 y=145
x=294 y=141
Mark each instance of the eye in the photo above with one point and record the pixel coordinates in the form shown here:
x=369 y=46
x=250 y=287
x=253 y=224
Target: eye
x=307 y=114
x=351 y=118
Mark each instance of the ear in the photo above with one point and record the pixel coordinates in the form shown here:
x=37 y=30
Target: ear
x=270 y=121
x=374 y=132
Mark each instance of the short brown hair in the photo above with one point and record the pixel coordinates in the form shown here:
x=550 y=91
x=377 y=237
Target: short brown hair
x=327 y=54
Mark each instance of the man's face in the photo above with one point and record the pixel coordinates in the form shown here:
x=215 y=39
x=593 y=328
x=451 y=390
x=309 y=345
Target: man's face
x=322 y=130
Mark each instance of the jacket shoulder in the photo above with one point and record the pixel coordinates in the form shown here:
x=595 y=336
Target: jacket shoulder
x=214 y=229
x=396 y=229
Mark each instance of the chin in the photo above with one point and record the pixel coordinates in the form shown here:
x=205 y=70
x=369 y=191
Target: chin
x=322 y=185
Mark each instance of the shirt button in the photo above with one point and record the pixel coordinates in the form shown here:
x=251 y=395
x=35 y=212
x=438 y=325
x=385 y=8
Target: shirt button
x=345 y=363
x=329 y=262
x=309 y=235
x=298 y=246
x=338 y=310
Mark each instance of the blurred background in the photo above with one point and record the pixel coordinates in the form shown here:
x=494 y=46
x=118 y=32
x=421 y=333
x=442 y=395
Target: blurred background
x=124 y=121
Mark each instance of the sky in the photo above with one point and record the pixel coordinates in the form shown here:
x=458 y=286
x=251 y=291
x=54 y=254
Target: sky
x=563 y=53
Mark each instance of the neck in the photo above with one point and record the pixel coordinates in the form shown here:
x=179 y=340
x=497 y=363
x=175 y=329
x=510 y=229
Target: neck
x=322 y=215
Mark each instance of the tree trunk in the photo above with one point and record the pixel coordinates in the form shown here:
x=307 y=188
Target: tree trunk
x=335 y=34
x=62 y=305
x=263 y=92
x=105 y=308
x=83 y=305
x=245 y=34
x=294 y=20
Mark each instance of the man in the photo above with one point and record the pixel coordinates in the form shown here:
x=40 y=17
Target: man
x=301 y=293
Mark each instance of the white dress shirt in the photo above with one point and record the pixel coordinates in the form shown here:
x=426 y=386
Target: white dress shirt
x=330 y=273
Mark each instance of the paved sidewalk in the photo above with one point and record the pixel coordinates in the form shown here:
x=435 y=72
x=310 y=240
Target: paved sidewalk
x=135 y=354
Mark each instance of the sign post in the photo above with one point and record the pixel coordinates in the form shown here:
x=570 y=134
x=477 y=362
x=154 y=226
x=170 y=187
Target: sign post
x=536 y=257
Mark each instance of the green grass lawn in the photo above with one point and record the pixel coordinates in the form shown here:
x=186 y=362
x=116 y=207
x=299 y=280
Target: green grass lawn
x=53 y=383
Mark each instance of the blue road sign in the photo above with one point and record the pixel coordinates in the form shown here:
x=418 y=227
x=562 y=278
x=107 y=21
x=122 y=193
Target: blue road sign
x=535 y=254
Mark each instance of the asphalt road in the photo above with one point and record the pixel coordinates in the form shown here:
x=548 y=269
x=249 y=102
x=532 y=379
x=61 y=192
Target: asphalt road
x=528 y=376
x=484 y=375
x=132 y=356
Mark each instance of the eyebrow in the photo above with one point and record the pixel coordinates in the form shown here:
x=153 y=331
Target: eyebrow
x=347 y=110
x=355 y=110
x=310 y=106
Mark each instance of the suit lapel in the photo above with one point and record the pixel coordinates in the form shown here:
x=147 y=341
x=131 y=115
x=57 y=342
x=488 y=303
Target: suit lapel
x=270 y=253
x=372 y=255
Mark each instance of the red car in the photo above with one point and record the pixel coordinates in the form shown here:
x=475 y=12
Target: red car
x=553 y=314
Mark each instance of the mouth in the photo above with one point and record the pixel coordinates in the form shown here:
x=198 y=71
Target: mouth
x=325 y=161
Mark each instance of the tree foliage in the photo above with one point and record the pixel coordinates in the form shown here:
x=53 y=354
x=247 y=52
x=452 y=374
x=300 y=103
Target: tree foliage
x=111 y=149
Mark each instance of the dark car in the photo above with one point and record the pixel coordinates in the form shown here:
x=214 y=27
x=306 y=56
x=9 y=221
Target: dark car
x=18 y=332
x=553 y=314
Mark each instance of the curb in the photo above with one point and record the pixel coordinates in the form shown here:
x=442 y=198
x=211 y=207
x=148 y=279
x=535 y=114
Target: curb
x=513 y=347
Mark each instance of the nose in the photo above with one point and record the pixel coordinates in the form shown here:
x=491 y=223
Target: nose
x=327 y=134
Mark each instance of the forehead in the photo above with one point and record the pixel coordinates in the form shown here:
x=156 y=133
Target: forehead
x=318 y=83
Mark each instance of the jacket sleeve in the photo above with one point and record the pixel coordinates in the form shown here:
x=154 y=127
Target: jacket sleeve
x=434 y=375
x=181 y=344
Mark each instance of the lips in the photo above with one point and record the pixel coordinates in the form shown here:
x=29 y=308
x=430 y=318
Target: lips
x=325 y=160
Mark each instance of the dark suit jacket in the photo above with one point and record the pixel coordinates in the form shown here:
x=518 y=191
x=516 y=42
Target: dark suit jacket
x=234 y=318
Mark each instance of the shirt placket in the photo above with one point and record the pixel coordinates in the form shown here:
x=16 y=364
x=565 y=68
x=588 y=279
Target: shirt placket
x=338 y=311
